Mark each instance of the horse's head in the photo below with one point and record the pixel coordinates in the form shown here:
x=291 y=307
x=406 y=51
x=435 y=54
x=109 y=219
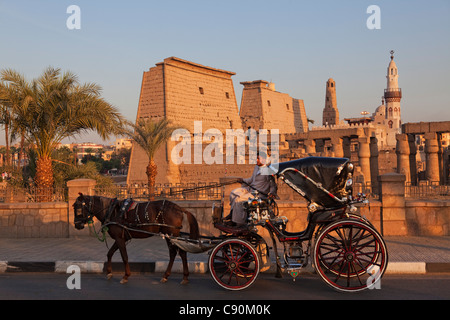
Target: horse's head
x=82 y=208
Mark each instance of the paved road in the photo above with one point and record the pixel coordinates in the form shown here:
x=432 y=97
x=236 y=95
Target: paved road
x=18 y=286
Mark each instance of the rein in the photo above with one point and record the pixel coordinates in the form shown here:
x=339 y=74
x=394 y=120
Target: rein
x=90 y=221
x=212 y=186
x=103 y=230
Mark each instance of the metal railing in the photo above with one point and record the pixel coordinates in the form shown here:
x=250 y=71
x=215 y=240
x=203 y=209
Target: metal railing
x=427 y=190
x=32 y=194
x=190 y=191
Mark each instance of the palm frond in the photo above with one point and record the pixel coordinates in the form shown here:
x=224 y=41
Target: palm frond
x=150 y=134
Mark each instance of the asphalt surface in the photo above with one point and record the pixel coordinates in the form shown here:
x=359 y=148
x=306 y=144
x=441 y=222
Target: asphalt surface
x=407 y=255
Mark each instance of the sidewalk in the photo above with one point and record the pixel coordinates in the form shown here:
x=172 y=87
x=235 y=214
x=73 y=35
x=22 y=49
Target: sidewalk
x=418 y=255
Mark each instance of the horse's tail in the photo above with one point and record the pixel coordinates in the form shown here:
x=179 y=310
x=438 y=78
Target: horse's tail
x=193 y=226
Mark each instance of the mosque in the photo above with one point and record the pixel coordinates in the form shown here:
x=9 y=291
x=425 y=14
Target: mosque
x=386 y=119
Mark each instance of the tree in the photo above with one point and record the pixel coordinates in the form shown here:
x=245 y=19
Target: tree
x=5 y=120
x=60 y=107
x=150 y=135
x=14 y=102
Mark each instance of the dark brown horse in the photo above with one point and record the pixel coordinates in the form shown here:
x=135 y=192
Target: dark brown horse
x=136 y=220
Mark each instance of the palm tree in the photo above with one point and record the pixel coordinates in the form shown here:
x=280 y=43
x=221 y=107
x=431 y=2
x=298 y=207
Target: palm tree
x=15 y=95
x=60 y=107
x=150 y=135
x=5 y=120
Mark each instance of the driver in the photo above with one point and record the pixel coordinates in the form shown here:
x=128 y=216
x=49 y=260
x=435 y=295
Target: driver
x=260 y=181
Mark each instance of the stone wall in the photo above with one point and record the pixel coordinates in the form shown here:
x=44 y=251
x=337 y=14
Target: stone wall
x=50 y=220
x=34 y=220
x=264 y=108
x=430 y=217
x=183 y=92
x=393 y=215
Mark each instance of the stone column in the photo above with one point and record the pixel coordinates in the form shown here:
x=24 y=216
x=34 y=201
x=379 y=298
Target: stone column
x=432 y=157
x=310 y=146
x=393 y=212
x=402 y=150
x=412 y=158
x=86 y=187
x=284 y=145
x=338 y=147
x=346 y=142
x=364 y=157
x=374 y=171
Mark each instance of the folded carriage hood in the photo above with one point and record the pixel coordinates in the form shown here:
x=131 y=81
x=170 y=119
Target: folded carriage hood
x=331 y=173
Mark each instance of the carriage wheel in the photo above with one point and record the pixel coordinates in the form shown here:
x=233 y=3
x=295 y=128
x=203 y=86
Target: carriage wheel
x=350 y=256
x=234 y=264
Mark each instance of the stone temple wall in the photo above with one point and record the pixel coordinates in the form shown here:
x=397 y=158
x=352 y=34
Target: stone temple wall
x=183 y=92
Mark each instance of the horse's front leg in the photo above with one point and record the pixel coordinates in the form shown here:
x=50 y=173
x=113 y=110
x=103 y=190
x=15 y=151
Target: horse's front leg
x=172 y=254
x=110 y=254
x=123 y=252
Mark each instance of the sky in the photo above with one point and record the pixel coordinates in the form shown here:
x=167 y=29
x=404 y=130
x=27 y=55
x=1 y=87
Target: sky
x=298 y=45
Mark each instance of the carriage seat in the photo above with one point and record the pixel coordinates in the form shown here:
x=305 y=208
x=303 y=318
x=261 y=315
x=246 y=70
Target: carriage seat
x=225 y=224
x=236 y=231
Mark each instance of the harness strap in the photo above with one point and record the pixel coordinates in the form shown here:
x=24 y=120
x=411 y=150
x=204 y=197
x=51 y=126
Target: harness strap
x=161 y=212
x=110 y=210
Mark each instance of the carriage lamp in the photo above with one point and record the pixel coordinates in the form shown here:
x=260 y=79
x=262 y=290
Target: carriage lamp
x=349 y=185
x=350 y=167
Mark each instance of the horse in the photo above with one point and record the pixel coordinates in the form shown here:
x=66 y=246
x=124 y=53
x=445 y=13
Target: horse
x=140 y=220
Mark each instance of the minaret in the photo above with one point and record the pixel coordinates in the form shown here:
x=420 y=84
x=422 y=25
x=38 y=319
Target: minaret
x=392 y=96
x=330 y=112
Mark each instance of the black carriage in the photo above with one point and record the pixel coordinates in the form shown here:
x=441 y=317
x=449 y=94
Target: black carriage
x=347 y=252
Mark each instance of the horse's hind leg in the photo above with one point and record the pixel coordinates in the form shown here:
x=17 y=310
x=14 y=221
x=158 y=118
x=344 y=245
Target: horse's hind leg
x=110 y=254
x=183 y=256
x=172 y=254
x=123 y=252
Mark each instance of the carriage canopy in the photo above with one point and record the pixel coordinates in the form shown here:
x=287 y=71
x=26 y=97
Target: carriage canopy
x=319 y=179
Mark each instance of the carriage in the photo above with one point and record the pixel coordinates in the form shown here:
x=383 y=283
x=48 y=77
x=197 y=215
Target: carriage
x=345 y=249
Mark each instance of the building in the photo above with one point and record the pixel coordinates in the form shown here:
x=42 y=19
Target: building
x=186 y=92
x=263 y=107
x=123 y=144
x=195 y=97
x=392 y=96
x=183 y=92
x=330 y=112
x=87 y=149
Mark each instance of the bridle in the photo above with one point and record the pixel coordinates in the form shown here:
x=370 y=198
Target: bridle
x=84 y=212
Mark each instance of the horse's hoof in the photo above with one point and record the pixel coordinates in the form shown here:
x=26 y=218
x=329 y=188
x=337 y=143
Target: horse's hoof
x=109 y=276
x=123 y=281
x=185 y=281
x=163 y=280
